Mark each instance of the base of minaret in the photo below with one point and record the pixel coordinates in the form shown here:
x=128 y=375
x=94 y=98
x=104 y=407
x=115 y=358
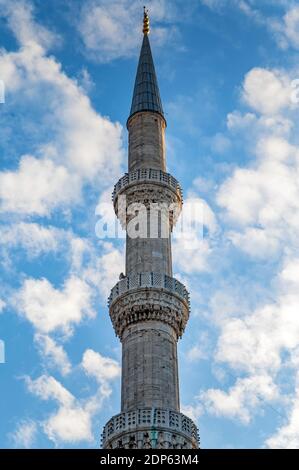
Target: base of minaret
x=150 y=428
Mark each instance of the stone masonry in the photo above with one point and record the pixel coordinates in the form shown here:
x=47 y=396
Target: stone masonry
x=148 y=308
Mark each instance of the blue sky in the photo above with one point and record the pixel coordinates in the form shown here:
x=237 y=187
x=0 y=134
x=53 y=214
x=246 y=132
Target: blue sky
x=227 y=72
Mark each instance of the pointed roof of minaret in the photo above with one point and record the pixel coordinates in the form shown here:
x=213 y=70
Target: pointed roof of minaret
x=146 y=96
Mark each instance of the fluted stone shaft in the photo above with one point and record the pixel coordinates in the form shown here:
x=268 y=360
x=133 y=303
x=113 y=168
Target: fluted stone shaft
x=149 y=372
x=149 y=367
x=146 y=141
x=147 y=150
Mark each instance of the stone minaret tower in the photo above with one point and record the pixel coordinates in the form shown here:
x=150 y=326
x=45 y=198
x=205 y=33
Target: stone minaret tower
x=149 y=309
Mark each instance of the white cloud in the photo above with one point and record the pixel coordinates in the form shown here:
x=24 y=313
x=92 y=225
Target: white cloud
x=255 y=126
x=73 y=145
x=214 y=4
x=256 y=341
x=53 y=186
x=101 y=368
x=242 y=398
x=256 y=242
x=25 y=434
x=41 y=303
x=253 y=343
x=200 y=350
x=220 y=144
x=266 y=195
x=32 y=237
x=291 y=21
x=50 y=309
x=191 y=249
x=72 y=422
x=54 y=353
x=287 y=435
x=2 y=305
x=112 y=30
x=236 y=120
x=245 y=7
x=259 y=332
x=20 y=17
x=286 y=29
x=267 y=91
x=281 y=22
x=192 y=411
x=69 y=425
x=196 y=353
x=46 y=387
x=191 y=254
x=290 y=272
x=103 y=272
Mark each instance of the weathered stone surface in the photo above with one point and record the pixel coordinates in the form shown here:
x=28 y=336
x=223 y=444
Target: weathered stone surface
x=150 y=194
x=150 y=428
x=146 y=141
x=149 y=366
x=152 y=254
x=149 y=175
x=145 y=304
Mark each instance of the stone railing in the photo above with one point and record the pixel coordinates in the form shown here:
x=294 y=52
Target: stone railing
x=154 y=280
x=153 y=419
x=147 y=175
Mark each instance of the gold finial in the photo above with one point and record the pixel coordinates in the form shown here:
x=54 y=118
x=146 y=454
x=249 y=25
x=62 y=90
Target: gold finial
x=146 y=22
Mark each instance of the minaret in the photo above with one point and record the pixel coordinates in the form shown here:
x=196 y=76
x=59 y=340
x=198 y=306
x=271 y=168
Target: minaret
x=149 y=309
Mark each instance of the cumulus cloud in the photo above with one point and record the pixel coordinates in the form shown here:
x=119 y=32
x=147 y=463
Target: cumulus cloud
x=200 y=350
x=220 y=144
x=267 y=91
x=72 y=421
x=256 y=242
x=53 y=186
x=102 y=27
x=254 y=126
x=259 y=334
x=54 y=353
x=264 y=213
x=264 y=196
x=50 y=309
x=249 y=8
x=32 y=237
x=285 y=28
x=256 y=342
x=74 y=144
x=25 y=434
x=192 y=411
x=291 y=23
x=101 y=368
x=241 y=399
x=2 y=305
x=287 y=435
x=20 y=17
x=103 y=271
x=38 y=301
x=191 y=248
x=69 y=425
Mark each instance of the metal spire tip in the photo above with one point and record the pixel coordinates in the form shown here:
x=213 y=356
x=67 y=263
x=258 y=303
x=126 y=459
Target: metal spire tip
x=146 y=22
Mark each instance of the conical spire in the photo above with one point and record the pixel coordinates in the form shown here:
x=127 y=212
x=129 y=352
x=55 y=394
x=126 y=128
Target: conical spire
x=146 y=96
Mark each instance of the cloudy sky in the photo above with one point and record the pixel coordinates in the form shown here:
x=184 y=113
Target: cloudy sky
x=227 y=72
